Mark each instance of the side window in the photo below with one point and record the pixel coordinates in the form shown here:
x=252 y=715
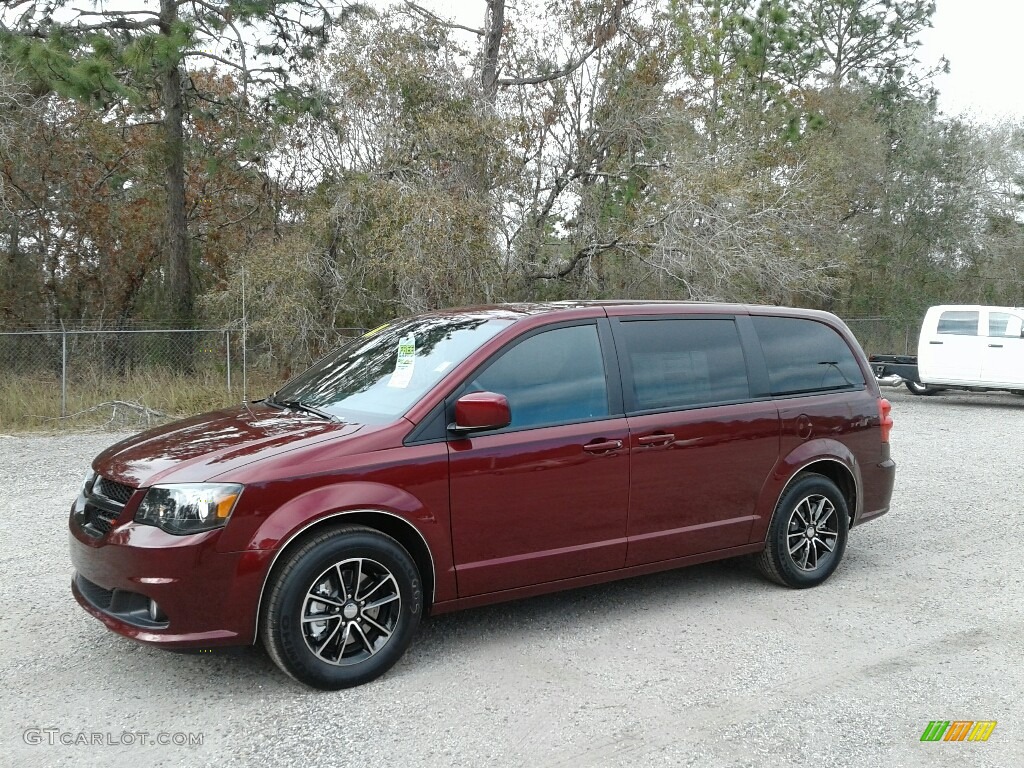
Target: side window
x=1004 y=325
x=554 y=377
x=806 y=356
x=959 y=323
x=684 y=363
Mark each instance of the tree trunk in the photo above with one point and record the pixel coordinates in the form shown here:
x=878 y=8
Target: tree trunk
x=179 y=268
x=494 y=28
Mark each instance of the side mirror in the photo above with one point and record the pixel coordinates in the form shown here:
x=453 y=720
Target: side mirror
x=479 y=411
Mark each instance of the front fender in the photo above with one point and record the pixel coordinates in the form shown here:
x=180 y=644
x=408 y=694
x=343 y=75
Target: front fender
x=789 y=466
x=335 y=501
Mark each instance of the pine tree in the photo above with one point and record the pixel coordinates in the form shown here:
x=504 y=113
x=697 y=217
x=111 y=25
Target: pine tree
x=144 y=53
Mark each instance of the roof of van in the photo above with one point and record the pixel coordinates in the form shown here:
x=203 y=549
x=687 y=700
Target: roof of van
x=633 y=307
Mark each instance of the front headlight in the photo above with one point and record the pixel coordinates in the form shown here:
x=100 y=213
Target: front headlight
x=188 y=507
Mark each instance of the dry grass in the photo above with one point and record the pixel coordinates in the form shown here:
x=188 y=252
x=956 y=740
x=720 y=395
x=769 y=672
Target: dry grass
x=33 y=402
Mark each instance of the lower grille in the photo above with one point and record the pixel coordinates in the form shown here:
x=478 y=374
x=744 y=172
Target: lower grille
x=129 y=607
x=94 y=593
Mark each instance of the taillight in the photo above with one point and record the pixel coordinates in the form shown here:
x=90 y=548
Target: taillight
x=885 y=418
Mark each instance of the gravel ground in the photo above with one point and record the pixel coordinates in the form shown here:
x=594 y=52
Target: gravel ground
x=707 y=666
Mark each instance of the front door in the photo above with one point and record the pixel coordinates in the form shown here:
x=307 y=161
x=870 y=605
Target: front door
x=953 y=354
x=546 y=497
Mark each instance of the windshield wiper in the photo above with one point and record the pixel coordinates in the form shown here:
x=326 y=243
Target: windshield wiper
x=298 y=405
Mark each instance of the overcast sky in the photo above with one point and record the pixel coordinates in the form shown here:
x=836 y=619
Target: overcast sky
x=981 y=39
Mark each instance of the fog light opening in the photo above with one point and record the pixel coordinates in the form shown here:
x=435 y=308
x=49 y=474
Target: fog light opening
x=155 y=614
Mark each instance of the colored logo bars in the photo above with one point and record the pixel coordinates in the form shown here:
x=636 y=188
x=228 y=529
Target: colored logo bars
x=958 y=730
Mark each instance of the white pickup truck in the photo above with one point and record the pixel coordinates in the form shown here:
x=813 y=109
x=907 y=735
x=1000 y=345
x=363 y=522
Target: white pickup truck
x=965 y=346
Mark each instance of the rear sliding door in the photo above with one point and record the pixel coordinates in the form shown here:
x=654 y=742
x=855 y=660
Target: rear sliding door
x=700 y=443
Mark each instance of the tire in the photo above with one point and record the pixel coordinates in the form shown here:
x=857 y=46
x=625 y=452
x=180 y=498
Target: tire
x=792 y=557
x=368 y=589
x=918 y=388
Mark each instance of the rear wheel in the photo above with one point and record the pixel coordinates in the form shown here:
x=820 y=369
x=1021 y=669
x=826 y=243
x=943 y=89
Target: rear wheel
x=920 y=389
x=807 y=535
x=342 y=608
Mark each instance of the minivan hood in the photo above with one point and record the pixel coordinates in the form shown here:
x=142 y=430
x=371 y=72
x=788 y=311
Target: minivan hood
x=210 y=444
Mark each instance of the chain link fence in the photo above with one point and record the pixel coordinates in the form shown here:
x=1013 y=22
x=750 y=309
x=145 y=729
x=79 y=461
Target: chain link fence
x=124 y=378
x=885 y=335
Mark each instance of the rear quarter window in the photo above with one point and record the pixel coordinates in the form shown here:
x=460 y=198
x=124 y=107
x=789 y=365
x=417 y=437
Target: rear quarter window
x=805 y=356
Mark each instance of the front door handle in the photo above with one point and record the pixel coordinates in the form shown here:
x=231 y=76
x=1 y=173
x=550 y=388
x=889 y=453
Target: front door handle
x=602 y=446
x=934 y=342
x=657 y=439
x=998 y=346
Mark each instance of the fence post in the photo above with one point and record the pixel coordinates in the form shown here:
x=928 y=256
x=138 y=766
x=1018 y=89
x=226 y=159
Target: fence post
x=63 y=370
x=245 y=370
x=227 y=348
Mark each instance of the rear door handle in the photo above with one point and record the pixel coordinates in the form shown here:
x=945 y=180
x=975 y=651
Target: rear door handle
x=934 y=342
x=658 y=439
x=998 y=346
x=602 y=446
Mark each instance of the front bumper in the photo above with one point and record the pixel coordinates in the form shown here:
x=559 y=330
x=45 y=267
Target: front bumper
x=206 y=598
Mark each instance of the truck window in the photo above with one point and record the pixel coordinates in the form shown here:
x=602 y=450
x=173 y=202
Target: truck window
x=958 y=323
x=1004 y=325
x=804 y=356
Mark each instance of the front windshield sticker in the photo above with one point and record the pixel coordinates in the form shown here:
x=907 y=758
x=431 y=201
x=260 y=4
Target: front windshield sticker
x=443 y=366
x=406 y=360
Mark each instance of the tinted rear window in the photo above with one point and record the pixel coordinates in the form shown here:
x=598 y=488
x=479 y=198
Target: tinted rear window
x=806 y=356
x=684 y=363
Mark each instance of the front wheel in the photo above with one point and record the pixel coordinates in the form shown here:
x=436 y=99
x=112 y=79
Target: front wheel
x=342 y=608
x=807 y=536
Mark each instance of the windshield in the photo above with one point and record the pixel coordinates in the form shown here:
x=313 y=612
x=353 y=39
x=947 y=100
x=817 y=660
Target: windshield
x=380 y=375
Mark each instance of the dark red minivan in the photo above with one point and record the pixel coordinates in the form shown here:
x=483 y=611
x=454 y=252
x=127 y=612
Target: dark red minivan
x=471 y=456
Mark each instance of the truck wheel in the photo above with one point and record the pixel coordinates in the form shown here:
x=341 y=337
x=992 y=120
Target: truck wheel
x=342 y=609
x=920 y=389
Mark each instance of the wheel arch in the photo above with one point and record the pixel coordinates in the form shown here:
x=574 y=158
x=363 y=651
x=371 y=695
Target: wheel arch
x=828 y=458
x=388 y=523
